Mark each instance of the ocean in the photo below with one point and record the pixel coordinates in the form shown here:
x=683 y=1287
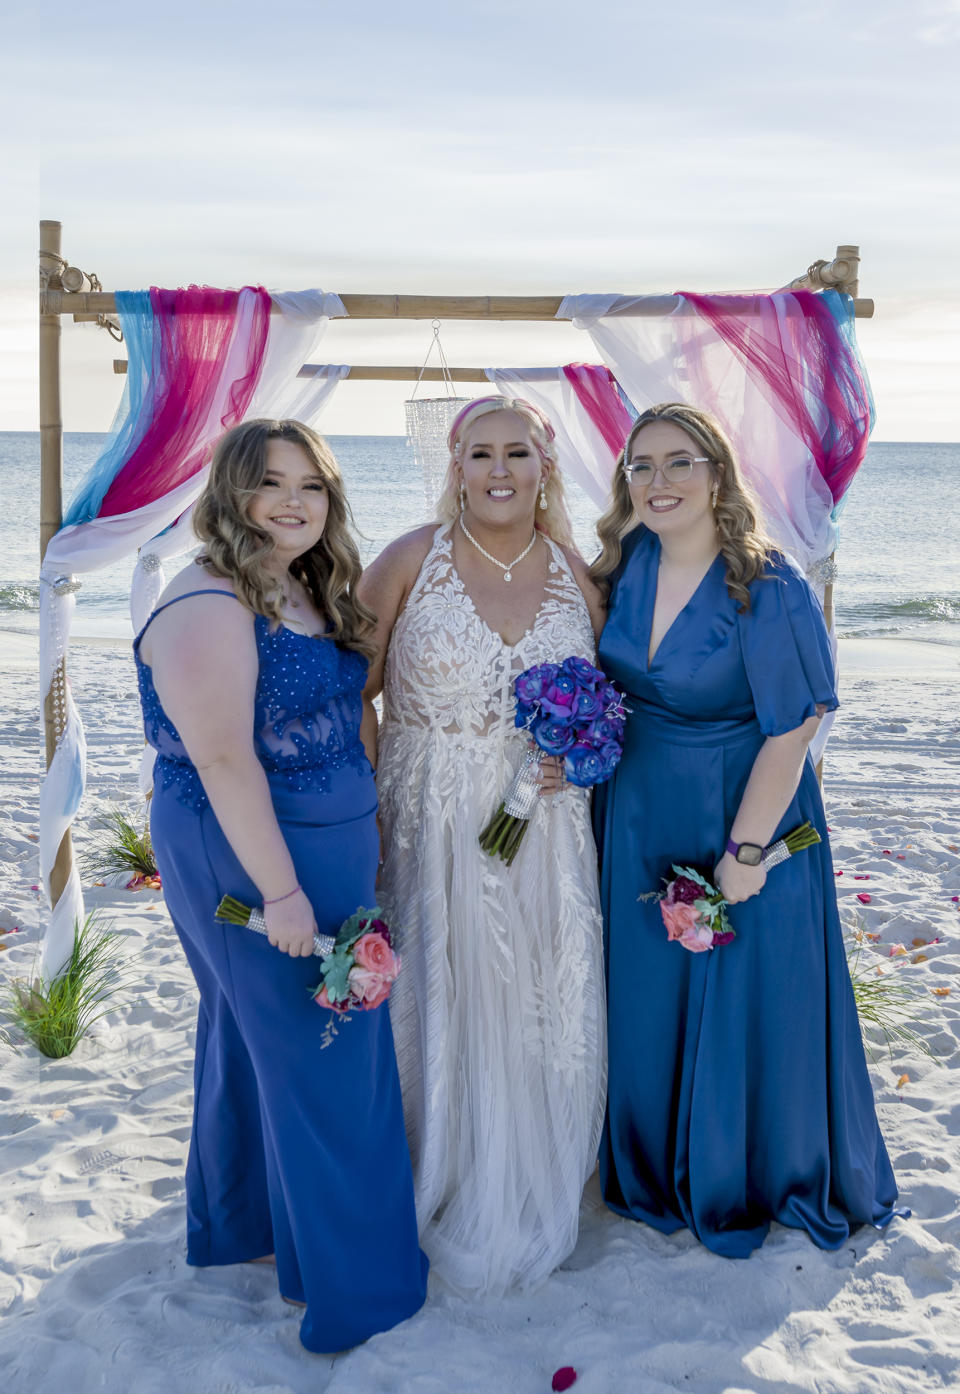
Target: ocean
x=898 y=555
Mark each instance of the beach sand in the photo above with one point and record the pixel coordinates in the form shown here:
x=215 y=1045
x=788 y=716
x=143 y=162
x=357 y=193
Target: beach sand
x=94 y=1288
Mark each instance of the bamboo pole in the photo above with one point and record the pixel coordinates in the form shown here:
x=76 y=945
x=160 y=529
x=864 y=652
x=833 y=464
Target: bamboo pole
x=51 y=500
x=368 y=372
x=443 y=307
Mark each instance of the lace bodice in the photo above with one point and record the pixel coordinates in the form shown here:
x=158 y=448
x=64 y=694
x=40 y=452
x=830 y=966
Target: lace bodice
x=447 y=670
x=307 y=711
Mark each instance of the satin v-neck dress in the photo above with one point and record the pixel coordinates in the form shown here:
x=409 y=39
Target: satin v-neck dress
x=738 y=1088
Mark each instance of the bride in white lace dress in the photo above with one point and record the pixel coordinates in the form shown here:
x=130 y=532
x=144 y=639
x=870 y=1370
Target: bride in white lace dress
x=498 y=1014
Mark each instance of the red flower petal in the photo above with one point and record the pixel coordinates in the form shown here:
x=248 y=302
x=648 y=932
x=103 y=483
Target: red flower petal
x=863 y=898
x=564 y=1377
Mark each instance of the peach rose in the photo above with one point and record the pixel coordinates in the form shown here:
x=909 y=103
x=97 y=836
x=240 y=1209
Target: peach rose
x=679 y=919
x=372 y=951
x=697 y=939
x=369 y=987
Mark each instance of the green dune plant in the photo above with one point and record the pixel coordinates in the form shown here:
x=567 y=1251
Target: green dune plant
x=121 y=849
x=56 y=1014
x=886 y=1001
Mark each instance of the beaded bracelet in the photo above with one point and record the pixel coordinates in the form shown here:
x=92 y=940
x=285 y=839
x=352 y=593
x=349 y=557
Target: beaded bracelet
x=283 y=897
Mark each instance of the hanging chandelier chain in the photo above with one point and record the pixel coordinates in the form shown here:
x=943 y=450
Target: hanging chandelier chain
x=435 y=346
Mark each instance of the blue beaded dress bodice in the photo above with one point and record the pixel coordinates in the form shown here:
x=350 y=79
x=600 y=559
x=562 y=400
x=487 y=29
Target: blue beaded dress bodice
x=307 y=711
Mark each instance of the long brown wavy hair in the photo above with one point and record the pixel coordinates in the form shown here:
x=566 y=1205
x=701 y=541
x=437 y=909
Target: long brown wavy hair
x=554 y=520
x=743 y=541
x=238 y=550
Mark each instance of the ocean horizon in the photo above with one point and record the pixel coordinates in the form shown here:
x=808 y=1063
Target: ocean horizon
x=899 y=576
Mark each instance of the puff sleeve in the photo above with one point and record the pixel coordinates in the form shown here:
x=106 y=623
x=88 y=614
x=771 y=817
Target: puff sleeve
x=786 y=650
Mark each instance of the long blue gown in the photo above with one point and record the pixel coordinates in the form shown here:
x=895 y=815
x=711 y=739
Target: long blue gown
x=295 y=1150
x=738 y=1086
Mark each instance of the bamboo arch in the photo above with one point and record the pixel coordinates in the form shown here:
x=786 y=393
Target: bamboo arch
x=67 y=290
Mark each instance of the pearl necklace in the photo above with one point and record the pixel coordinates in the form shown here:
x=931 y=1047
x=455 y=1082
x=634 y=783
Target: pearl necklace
x=508 y=569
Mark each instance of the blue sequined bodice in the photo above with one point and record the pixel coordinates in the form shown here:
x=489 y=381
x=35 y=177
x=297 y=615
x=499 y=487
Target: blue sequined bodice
x=307 y=713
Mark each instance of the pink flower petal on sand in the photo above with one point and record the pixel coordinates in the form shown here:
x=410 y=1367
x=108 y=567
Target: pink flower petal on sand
x=563 y=1378
x=862 y=876
x=838 y=873
x=896 y=950
x=34 y=888
x=901 y=857
x=887 y=852
x=863 y=898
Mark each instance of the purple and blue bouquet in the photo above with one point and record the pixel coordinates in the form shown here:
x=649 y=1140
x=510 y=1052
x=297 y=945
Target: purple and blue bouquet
x=573 y=712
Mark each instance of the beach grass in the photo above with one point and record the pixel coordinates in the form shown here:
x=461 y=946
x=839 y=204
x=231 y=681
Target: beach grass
x=56 y=1014
x=886 y=1001
x=120 y=849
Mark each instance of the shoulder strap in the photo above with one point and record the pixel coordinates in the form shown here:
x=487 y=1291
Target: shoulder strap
x=166 y=606
x=424 y=576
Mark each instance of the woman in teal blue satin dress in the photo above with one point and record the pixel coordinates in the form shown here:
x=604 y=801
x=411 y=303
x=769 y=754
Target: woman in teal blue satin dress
x=738 y=1088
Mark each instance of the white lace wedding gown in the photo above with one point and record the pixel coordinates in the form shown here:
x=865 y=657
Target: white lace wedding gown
x=498 y=1013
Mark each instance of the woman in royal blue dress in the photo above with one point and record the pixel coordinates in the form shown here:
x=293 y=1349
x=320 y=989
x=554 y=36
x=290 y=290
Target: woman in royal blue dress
x=251 y=671
x=738 y=1088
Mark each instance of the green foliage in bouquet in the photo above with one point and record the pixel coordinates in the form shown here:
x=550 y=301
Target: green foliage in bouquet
x=56 y=1015
x=120 y=849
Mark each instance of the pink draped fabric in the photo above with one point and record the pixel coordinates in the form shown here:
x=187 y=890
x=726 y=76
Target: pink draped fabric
x=596 y=390
x=189 y=404
x=803 y=359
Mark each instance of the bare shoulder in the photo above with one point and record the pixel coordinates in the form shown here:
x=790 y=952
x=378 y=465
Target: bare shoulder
x=194 y=577
x=210 y=621
x=400 y=561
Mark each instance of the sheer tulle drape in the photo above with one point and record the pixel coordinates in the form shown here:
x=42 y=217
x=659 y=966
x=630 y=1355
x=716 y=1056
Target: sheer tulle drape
x=202 y=362
x=781 y=372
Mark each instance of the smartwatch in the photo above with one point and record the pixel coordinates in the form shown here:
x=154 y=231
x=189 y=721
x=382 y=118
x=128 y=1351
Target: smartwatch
x=746 y=852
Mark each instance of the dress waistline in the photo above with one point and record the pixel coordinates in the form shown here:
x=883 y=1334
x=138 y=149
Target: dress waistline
x=684 y=731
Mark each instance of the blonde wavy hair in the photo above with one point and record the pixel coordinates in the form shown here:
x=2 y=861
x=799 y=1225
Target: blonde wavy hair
x=743 y=542
x=554 y=520
x=238 y=550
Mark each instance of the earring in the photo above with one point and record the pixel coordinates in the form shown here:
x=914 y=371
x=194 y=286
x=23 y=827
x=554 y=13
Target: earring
x=714 y=494
x=462 y=497
x=543 y=494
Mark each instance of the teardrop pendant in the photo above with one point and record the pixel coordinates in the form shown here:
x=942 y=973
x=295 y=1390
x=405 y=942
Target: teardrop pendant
x=508 y=575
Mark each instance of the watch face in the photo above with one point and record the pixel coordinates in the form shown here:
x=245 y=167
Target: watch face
x=749 y=853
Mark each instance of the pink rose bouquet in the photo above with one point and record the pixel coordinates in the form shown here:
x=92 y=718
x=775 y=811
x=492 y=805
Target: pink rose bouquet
x=359 y=967
x=694 y=910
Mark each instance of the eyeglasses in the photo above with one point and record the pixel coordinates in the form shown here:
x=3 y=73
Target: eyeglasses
x=675 y=471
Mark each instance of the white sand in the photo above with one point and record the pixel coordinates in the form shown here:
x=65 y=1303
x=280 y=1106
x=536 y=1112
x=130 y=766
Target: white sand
x=94 y=1288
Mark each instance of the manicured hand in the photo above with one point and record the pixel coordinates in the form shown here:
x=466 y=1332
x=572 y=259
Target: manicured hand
x=551 y=775
x=291 y=925
x=737 y=882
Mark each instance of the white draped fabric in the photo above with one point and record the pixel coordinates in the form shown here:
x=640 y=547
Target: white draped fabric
x=582 y=453
x=84 y=547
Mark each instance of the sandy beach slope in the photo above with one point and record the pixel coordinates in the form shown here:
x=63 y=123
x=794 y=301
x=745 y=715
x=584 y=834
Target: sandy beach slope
x=94 y=1290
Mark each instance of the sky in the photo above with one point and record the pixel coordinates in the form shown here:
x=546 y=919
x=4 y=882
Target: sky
x=458 y=147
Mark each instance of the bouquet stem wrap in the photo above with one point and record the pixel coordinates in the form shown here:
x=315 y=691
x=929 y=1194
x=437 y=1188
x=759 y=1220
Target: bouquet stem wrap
x=233 y=911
